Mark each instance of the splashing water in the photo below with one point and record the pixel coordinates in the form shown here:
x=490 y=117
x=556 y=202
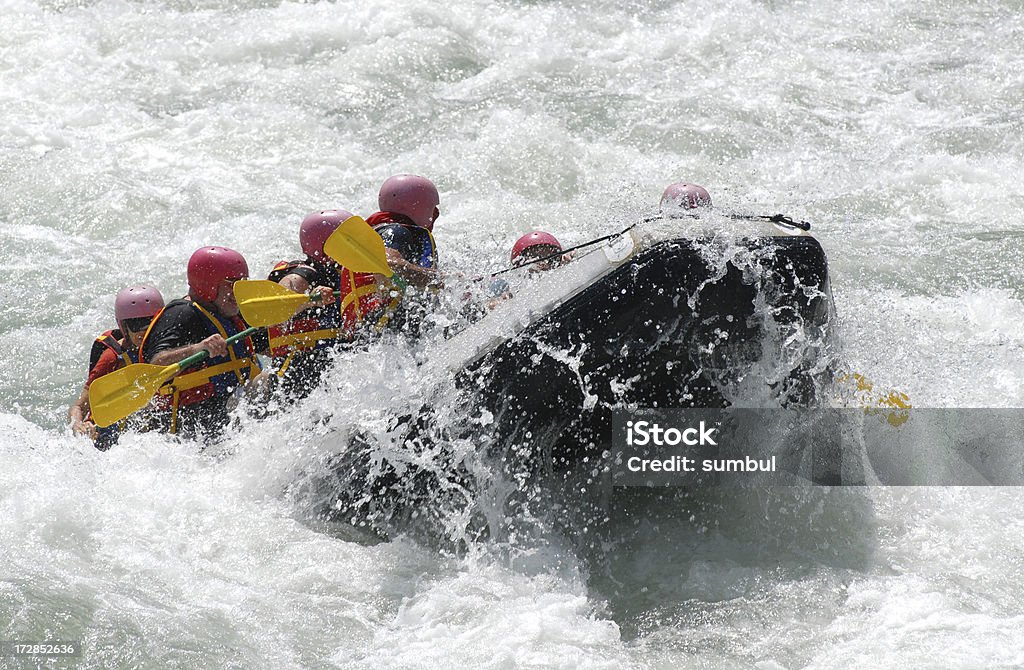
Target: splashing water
x=133 y=133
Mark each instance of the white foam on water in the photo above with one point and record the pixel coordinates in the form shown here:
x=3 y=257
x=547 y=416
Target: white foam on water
x=132 y=133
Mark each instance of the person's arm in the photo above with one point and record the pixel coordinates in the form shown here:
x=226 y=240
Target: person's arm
x=77 y=413
x=176 y=324
x=405 y=244
x=79 y=410
x=412 y=274
x=302 y=279
x=215 y=344
x=319 y=295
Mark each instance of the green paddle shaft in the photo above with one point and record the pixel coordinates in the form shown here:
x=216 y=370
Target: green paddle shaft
x=128 y=389
x=316 y=296
x=200 y=356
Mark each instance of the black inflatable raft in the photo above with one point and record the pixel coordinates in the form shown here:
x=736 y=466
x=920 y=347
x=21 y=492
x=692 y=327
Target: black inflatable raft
x=677 y=325
x=686 y=322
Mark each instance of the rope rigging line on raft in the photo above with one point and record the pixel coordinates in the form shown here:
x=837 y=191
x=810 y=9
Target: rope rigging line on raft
x=778 y=219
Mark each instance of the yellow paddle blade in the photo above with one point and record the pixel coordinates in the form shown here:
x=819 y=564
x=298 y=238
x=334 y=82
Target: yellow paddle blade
x=266 y=303
x=354 y=245
x=892 y=404
x=125 y=391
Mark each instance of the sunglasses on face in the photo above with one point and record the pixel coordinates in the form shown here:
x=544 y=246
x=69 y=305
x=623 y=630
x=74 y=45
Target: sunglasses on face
x=137 y=325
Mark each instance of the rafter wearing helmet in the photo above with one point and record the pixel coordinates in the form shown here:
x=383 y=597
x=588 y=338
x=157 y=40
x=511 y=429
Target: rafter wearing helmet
x=409 y=206
x=532 y=247
x=681 y=197
x=134 y=309
x=303 y=346
x=196 y=402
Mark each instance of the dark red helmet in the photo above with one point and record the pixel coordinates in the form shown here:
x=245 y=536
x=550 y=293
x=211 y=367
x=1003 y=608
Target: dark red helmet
x=136 y=302
x=411 y=195
x=685 y=196
x=316 y=228
x=535 y=239
x=209 y=266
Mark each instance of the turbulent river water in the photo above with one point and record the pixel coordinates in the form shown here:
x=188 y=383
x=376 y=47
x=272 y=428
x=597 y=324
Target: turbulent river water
x=132 y=133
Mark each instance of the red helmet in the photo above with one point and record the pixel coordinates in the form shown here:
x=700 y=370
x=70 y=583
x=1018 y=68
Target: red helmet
x=136 y=302
x=685 y=196
x=413 y=196
x=209 y=266
x=535 y=239
x=316 y=228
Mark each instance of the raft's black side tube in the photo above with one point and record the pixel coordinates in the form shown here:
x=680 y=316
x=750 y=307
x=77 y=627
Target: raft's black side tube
x=641 y=336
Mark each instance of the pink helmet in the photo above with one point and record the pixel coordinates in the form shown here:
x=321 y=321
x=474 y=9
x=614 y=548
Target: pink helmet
x=136 y=302
x=535 y=239
x=685 y=196
x=413 y=196
x=316 y=228
x=209 y=266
